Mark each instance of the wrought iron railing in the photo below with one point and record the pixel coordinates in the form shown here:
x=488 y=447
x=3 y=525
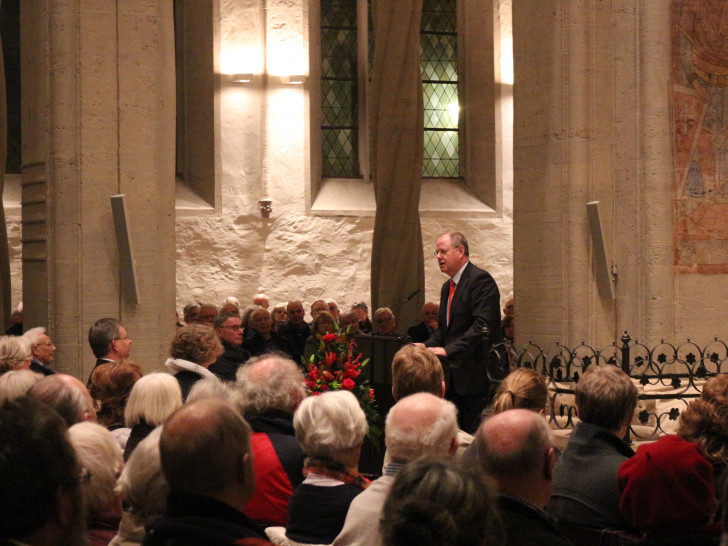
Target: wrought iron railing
x=670 y=375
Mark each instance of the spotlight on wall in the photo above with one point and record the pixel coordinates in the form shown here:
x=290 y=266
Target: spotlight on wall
x=294 y=80
x=241 y=78
x=266 y=207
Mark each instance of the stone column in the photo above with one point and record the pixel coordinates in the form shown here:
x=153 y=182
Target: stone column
x=591 y=124
x=98 y=120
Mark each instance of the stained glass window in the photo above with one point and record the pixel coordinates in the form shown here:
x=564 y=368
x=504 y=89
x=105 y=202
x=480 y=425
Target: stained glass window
x=439 y=64
x=339 y=89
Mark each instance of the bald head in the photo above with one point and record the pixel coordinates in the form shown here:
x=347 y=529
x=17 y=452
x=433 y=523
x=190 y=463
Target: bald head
x=205 y=450
x=515 y=448
x=421 y=424
x=68 y=396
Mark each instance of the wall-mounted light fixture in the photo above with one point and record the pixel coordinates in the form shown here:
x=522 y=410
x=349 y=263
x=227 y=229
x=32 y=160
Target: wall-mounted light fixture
x=241 y=78
x=266 y=207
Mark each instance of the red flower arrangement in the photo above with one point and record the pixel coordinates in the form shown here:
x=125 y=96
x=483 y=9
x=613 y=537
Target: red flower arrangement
x=336 y=366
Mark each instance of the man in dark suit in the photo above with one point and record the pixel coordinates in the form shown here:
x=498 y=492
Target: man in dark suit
x=109 y=342
x=422 y=331
x=469 y=302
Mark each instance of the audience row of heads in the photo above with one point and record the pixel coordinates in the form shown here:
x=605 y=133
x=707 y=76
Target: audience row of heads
x=17 y=352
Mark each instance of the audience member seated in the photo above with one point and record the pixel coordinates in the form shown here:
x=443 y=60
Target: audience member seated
x=508 y=325
x=109 y=341
x=111 y=385
x=333 y=308
x=194 y=348
x=420 y=425
x=414 y=370
x=14 y=353
x=143 y=489
x=349 y=324
x=15 y=325
x=229 y=328
x=278 y=316
x=264 y=340
x=331 y=429
x=523 y=388
x=515 y=448
x=261 y=300
x=153 y=398
x=705 y=423
x=230 y=306
x=67 y=395
x=362 y=315
x=420 y=332
x=294 y=332
x=667 y=493
x=585 y=478
x=206 y=460
x=268 y=391
x=42 y=350
x=247 y=318
x=191 y=313
x=99 y=453
x=36 y=450
x=208 y=312
x=210 y=387
x=440 y=503
x=385 y=323
x=323 y=324
x=316 y=308
x=16 y=384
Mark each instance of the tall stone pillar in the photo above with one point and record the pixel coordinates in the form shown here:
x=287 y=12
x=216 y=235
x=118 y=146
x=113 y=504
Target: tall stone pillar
x=592 y=124
x=98 y=120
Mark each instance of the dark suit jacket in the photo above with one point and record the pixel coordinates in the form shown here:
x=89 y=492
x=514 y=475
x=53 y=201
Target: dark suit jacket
x=419 y=332
x=476 y=302
x=99 y=362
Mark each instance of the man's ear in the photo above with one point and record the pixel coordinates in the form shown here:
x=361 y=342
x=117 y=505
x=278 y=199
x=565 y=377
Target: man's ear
x=442 y=393
x=454 y=446
x=550 y=460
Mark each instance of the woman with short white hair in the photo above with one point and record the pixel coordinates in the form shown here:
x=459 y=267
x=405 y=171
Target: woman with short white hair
x=153 y=398
x=330 y=428
x=99 y=453
x=16 y=383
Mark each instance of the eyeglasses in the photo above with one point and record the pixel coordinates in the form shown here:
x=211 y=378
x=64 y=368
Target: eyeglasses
x=233 y=327
x=46 y=344
x=385 y=319
x=127 y=338
x=440 y=252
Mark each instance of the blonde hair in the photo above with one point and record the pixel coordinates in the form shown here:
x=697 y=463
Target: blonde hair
x=14 y=351
x=524 y=388
x=153 y=398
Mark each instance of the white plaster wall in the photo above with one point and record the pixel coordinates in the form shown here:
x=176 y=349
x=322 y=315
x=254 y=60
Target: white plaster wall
x=296 y=255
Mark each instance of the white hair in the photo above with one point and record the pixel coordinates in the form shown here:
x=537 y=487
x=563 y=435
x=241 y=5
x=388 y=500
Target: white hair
x=282 y=388
x=209 y=387
x=33 y=335
x=14 y=351
x=329 y=423
x=407 y=441
x=99 y=452
x=17 y=383
x=142 y=484
x=152 y=399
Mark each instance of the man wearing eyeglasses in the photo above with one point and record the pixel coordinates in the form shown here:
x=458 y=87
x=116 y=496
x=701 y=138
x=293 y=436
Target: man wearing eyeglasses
x=469 y=302
x=109 y=341
x=228 y=327
x=42 y=349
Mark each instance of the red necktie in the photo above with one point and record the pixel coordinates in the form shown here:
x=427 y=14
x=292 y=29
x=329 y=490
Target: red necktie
x=449 y=299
